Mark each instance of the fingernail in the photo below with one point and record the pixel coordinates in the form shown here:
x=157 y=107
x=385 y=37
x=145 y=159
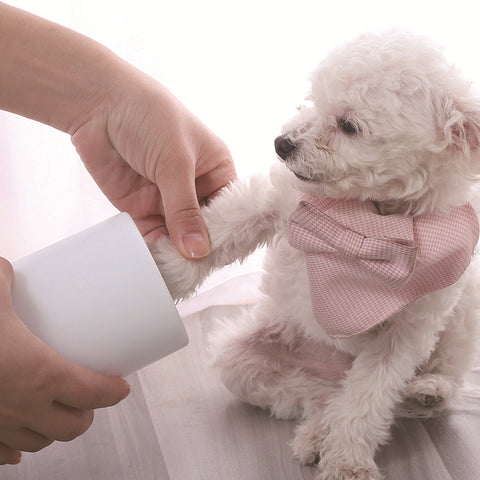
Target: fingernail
x=127 y=389
x=195 y=245
x=17 y=459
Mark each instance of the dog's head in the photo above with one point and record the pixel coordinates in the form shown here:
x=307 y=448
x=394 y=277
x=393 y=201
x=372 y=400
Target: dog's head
x=389 y=120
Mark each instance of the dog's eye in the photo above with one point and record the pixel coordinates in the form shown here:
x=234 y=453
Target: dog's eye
x=348 y=127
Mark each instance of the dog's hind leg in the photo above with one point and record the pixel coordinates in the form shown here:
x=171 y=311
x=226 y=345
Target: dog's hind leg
x=259 y=365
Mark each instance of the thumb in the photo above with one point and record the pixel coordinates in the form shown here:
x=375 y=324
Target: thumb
x=184 y=220
x=6 y=281
x=6 y=271
x=81 y=388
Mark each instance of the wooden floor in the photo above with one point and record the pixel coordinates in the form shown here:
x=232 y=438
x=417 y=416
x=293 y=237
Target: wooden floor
x=180 y=423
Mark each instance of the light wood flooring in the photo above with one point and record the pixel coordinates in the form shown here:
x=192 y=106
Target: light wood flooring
x=180 y=423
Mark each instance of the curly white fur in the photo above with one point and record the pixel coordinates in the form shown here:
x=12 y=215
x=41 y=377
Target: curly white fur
x=390 y=121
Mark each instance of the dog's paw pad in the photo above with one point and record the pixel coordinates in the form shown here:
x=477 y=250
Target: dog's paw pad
x=306 y=456
x=428 y=393
x=360 y=473
x=429 y=401
x=306 y=445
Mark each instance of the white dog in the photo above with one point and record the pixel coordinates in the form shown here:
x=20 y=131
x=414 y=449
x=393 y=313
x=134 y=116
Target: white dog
x=369 y=306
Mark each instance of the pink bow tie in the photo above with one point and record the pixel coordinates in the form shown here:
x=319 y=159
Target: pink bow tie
x=391 y=259
x=363 y=267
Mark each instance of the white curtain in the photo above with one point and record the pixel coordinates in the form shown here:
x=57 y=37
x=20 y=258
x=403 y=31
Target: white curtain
x=240 y=66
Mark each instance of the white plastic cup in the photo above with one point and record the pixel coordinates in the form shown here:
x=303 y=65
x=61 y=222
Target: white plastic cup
x=98 y=299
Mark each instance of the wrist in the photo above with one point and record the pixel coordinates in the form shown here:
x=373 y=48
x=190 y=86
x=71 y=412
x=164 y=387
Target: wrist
x=50 y=73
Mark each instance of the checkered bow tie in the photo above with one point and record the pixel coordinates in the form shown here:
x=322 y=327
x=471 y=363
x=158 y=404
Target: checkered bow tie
x=391 y=259
x=363 y=267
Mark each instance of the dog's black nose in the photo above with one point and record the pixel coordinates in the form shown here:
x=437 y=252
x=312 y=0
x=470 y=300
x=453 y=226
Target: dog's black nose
x=283 y=146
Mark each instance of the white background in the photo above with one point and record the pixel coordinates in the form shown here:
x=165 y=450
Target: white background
x=242 y=67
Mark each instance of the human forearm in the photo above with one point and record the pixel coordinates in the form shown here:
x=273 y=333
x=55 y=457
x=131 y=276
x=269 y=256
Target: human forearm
x=50 y=73
x=150 y=155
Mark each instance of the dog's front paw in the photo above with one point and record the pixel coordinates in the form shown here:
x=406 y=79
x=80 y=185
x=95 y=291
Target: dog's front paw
x=427 y=394
x=308 y=442
x=336 y=457
x=332 y=471
x=181 y=276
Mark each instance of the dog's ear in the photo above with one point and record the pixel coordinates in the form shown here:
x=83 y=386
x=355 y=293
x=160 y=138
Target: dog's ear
x=462 y=126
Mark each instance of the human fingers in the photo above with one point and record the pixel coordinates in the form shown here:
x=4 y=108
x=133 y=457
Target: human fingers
x=6 y=281
x=23 y=439
x=78 y=391
x=9 y=456
x=182 y=214
x=81 y=388
x=35 y=382
x=209 y=184
x=61 y=422
x=73 y=385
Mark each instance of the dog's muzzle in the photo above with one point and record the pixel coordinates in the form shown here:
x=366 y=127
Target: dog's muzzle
x=284 y=147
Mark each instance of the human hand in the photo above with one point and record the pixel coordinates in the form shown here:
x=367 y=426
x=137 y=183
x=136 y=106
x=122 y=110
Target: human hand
x=154 y=159
x=148 y=154
x=43 y=397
